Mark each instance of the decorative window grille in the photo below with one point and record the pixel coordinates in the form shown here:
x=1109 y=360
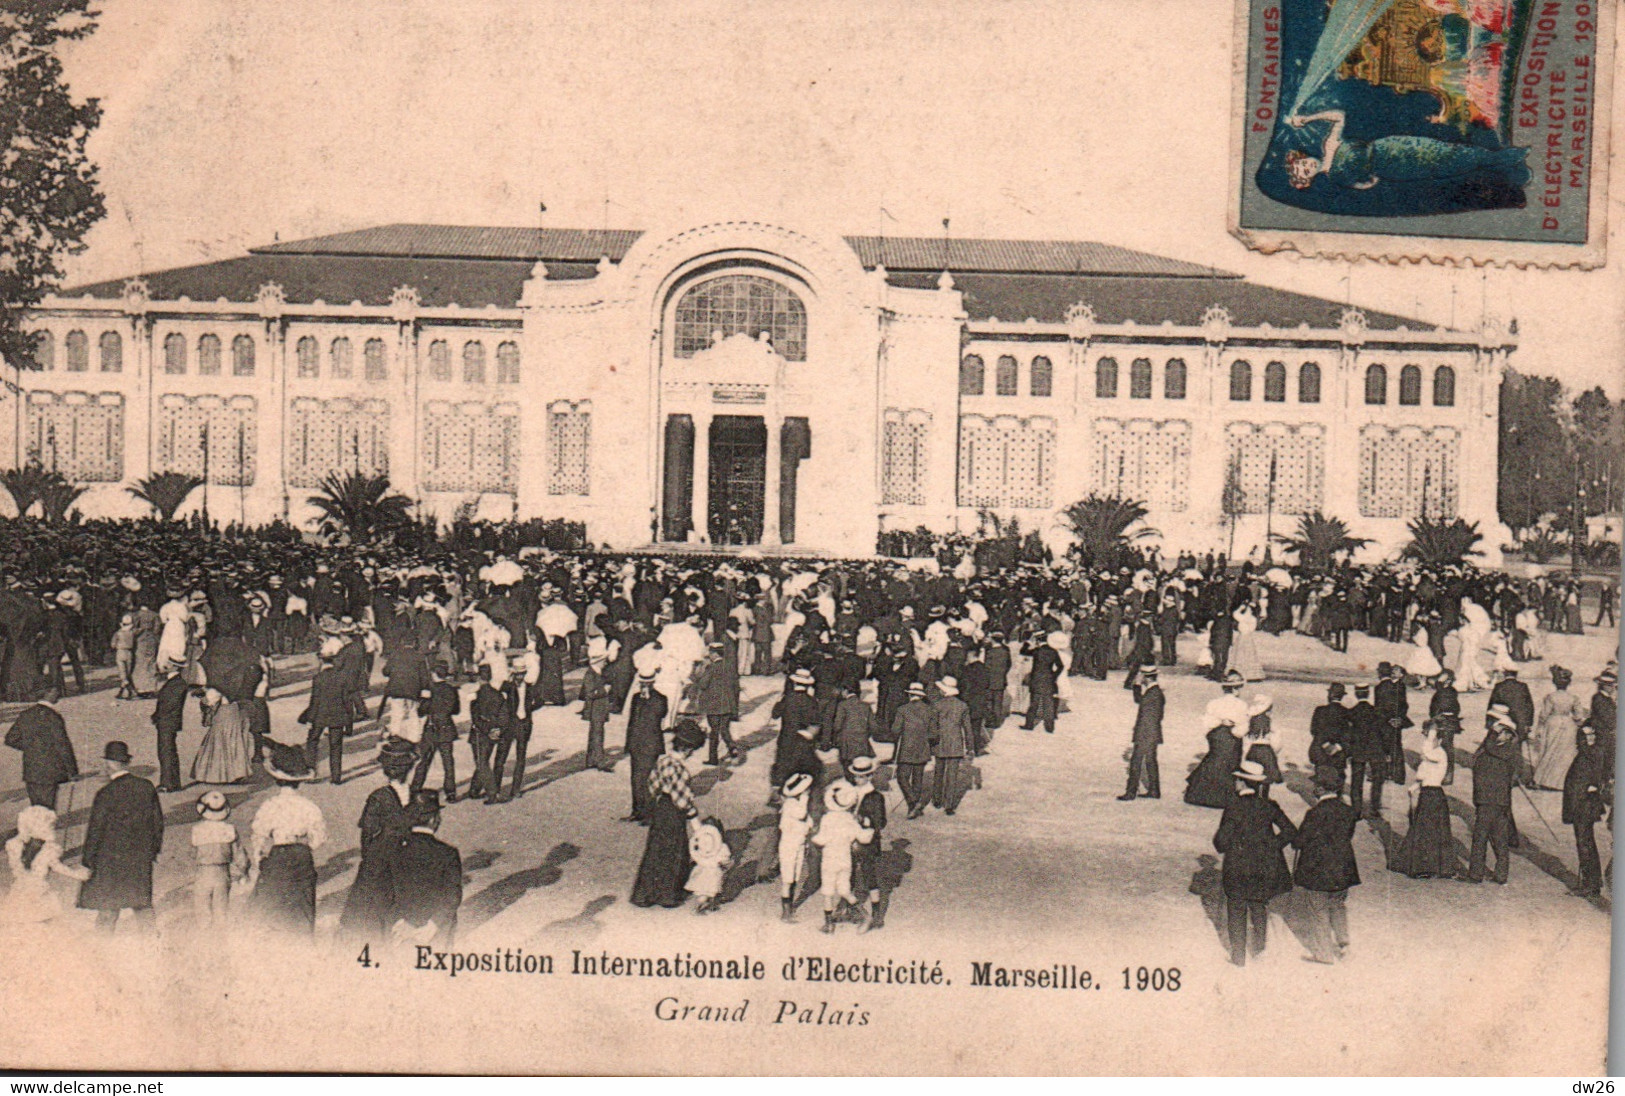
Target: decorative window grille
x=470 y=448
x=1275 y=383
x=1309 y=383
x=242 y=356
x=1376 y=385
x=1409 y=472
x=1144 y=460
x=1410 y=386
x=336 y=436
x=44 y=350
x=342 y=359
x=1241 y=381
x=112 y=352
x=440 y=360
x=1444 y=387
x=972 y=376
x=208 y=356
x=209 y=432
x=375 y=361
x=78 y=352
x=1139 y=379
x=1106 y=379
x=569 y=440
x=1173 y=380
x=1006 y=377
x=78 y=434
x=175 y=354
x=473 y=363
x=508 y=363
x=1276 y=466
x=1042 y=382
x=309 y=358
x=741 y=304
x=904 y=458
x=1006 y=462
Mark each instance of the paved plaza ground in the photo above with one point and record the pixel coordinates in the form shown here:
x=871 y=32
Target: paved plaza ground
x=1041 y=866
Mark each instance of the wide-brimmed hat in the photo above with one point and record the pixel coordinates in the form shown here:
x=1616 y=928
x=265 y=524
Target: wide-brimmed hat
x=1608 y=677
x=797 y=785
x=36 y=823
x=1501 y=716
x=1233 y=679
x=70 y=599
x=1252 y=772
x=840 y=796
x=117 y=750
x=916 y=688
x=687 y=736
x=1260 y=704
x=1362 y=691
x=862 y=766
x=287 y=764
x=212 y=806
x=802 y=677
x=1445 y=676
x=1148 y=673
x=948 y=686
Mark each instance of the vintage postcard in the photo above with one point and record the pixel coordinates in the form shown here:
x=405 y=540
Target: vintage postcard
x=723 y=538
x=1457 y=130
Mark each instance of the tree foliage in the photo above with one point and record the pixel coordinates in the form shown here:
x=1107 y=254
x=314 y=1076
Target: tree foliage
x=1105 y=526
x=361 y=505
x=49 y=196
x=1436 y=541
x=165 y=492
x=26 y=485
x=1320 y=540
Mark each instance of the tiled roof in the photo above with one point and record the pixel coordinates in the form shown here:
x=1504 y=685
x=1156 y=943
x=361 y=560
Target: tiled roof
x=912 y=253
x=466 y=242
x=1146 y=301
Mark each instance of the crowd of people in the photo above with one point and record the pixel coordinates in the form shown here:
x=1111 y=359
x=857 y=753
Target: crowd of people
x=889 y=668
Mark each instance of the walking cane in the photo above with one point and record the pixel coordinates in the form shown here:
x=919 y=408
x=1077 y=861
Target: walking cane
x=1531 y=801
x=72 y=785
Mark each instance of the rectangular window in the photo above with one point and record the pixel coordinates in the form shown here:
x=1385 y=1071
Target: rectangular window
x=904 y=456
x=569 y=440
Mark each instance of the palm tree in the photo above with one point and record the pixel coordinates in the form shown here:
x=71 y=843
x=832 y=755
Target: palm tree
x=166 y=492
x=57 y=496
x=26 y=485
x=1104 y=526
x=1434 y=540
x=361 y=505
x=1320 y=540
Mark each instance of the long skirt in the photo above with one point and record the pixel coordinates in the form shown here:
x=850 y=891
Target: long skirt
x=285 y=896
x=1427 y=851
x=145 y=671
x=664 y=871
x=1211 y=783
x=226 y=752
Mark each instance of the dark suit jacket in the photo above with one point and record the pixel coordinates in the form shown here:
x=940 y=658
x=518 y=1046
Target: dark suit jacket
x=426 y=881
x=42 y=737
x=644 y=735
x=329 y=699
x=1494 y=768
x=125 y=835
x=170 y=709
x=1325 y=845
x=1148 y=717
x=1515 y=695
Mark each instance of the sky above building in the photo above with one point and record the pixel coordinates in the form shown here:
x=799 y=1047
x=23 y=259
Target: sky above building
x=230 y=125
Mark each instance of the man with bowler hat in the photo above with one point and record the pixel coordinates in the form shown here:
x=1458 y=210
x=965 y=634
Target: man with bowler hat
x=426 y=878
x=125 y=835
x=1326 y=867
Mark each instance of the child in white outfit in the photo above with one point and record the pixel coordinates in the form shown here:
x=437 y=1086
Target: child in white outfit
x=712 y=858
x=837 y=832
x=794 y=826
x=221 y=857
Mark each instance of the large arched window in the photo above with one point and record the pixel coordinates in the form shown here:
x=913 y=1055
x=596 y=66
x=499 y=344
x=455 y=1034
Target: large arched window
x=175 y=354
x=375 y=361
x=473 y=362
x=78 y=352
x=1173 y=379
x=1376 y=385
x=242 y=356
x=439 y=360
x=341 y=359
x=1241 y=381
x=112 y=348
x=1139 y=379
x=208 y=356
x=1444 y=387
x=1006 y=376
x=742 y=304
x=1309 y=383
x=1043 y=377
x=1106 y=379
x=508 y=363
x=1275 y=383
x=971 y=376
x=44 y=350
x=309 y=357
x=1410 y=386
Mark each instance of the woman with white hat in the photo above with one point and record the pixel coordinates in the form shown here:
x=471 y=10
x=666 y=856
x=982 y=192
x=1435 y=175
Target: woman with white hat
x=286 y=830
x=34 y=853
x=1252 y=837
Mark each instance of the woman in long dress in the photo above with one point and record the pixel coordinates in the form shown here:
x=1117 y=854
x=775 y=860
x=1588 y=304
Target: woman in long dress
x=1557 y=727
x=1212 y=783
x=34 y=853
x=663 y=872
x=225 y=756
x=385 y=821
x=1260 y=744
x=175 y=619
x=1244 y=648
x=1428 y=851
x=1422 y=667
x=1361 y=165
x=282 y=865
x=145 y=671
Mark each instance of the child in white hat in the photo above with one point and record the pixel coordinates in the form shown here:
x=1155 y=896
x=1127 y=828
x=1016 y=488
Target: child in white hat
x=837 y=832
x=794 y=826
x=221 y=857
x=712 y=859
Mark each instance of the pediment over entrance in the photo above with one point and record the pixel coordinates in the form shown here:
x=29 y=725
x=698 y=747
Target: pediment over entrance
x=737 y=359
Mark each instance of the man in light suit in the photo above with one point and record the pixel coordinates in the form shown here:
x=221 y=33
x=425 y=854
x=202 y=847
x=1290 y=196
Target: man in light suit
x=1142 y=762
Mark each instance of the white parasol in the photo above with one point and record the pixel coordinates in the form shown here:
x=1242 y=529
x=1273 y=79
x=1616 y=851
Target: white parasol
x=504 y=572
x=556 y=621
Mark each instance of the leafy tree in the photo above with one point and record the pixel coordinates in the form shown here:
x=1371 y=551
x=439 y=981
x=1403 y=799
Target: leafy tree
x=26 y=485
x=165 y=492
x=1436 y=541
x=1599 y=444
x=1320 y=540
x=49 y=196
x=1536 y=461
x=59 y=494
x=1105 y=526
x=361 y=505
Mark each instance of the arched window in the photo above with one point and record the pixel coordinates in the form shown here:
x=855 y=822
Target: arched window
x=341 y=359
x=175 y=354
x=1005 y=376
x=473 y=363
x=208 y=356
x=971 y=376
x=1139 y=379
x=44 y=350
x=742 y=304
x=78 y=352
x=1275 y=383
x=112 y=348
x=1043 y=377
x=374 y=361
x=242 y=356
x=439 y=360
x=1410 y=386
x=1106 y=379
x=1376 y=385
x=1309 y=383
x=1444 y=387
x=1173 y=379
x=508 y=363
x=309 y=357
x=1241 y=381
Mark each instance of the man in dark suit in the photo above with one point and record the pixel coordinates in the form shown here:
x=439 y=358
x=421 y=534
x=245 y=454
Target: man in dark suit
x=1393 y=712
x=331 y=710
x=645 y=742
x=1514 y=696
x=1327 y=868
x=125 y=835
x=167 y=716
x=1328 y=736
x=1367 y=752
x=913 y=727
x=48 y=759
x=1220 y=635
x=1495 y=768
x=1147 y=737
x=439 y=711
x=426 y=877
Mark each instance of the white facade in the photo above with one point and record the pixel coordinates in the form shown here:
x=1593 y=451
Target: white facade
x=741 y=382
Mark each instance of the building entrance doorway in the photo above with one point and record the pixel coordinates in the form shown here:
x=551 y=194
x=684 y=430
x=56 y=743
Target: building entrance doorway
x=738 y=480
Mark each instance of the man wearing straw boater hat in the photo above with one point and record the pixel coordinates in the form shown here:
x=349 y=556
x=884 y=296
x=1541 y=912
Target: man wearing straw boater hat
x=952 y=743
x=645 y=742
x=1142 y=762
x=125 y=835
x=912 y=727
x=1495 y=770
x=1252 y=836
